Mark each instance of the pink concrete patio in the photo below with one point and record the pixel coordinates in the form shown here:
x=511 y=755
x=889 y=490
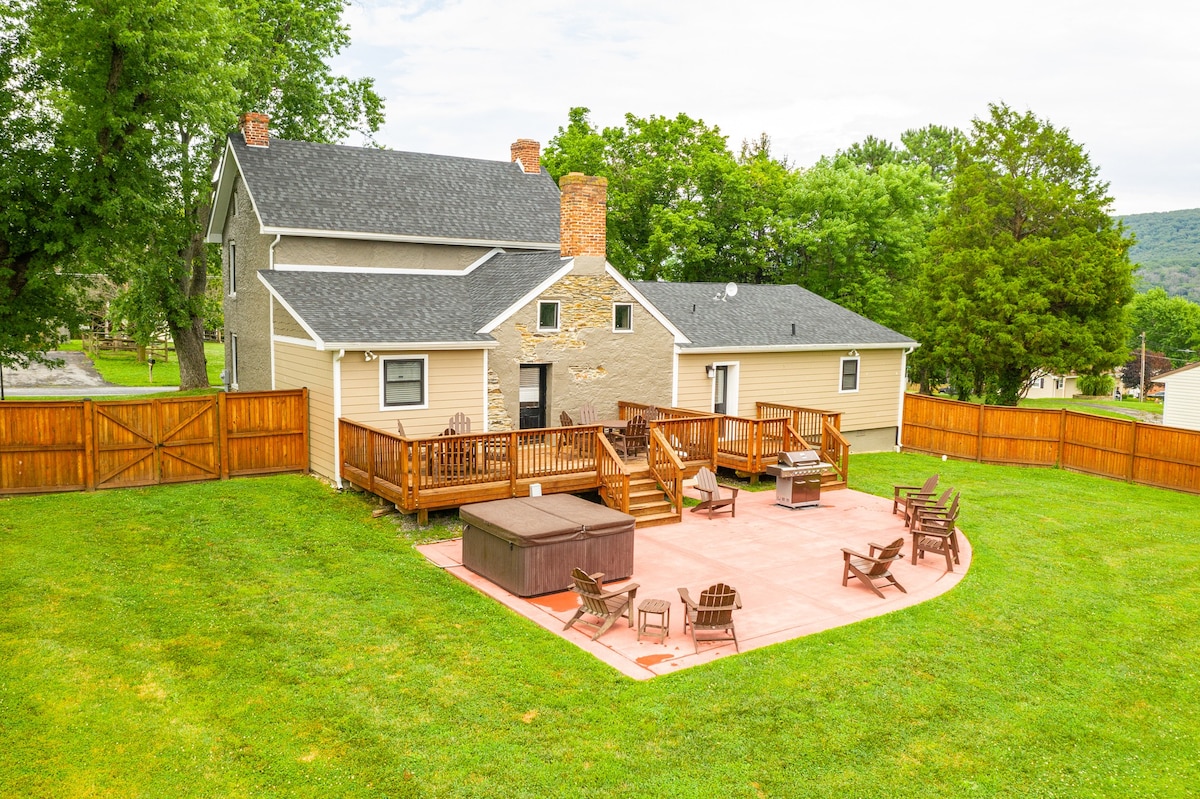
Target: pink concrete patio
x=786 y=565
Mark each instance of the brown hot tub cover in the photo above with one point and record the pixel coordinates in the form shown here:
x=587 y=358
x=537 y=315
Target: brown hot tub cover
x=528 y=545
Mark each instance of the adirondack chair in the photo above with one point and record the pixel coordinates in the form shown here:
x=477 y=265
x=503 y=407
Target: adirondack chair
x=916 y=504
x=460 y=423
x=714 y=498
x=400 y=428
x=587 y=414
x=635 y=436
x=935 y=530
x=873 y=568
x=900 y=494
x=576 y=442
x=606 y=606
x=712 y=614
x=454 y=458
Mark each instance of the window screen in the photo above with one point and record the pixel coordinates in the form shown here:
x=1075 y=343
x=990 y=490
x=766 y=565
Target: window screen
x=403 y=382
x=850 y=374
x=547 y=315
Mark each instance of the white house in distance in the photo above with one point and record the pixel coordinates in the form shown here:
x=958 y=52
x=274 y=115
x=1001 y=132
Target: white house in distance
x=1044 y=385
x=1181 y=401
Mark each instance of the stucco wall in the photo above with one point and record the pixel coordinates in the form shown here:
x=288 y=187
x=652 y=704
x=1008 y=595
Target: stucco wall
x=246 y=312
x=285 y=323
x=589 y=362
x=809 y=380
x=300 y=367
x=374 y=254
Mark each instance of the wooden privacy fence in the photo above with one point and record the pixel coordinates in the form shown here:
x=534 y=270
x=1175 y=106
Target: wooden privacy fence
x=85 y=445
x=1148 y=454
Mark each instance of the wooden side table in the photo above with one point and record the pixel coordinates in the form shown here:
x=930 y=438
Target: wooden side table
x=654 y=627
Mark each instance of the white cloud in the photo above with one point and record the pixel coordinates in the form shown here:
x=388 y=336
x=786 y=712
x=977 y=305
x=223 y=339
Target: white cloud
x=468 y=77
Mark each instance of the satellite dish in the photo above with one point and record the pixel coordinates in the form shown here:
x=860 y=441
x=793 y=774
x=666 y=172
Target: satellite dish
x=731 y=289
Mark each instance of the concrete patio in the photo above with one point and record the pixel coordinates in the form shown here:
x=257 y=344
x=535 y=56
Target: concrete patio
x=785 y=563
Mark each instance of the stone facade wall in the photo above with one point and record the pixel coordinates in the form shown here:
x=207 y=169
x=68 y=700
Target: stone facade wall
x=589 y=362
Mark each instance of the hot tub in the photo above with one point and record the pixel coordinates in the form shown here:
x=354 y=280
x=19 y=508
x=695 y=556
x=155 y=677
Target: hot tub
x=528 y=545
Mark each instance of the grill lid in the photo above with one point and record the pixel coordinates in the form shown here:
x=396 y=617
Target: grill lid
x=804 y=457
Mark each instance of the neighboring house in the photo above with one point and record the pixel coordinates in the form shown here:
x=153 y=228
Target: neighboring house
x=1181 y=402
x=1048 y=386
x=405 y=287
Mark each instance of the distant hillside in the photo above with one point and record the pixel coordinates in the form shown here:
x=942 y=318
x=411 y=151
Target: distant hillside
x=1168 y=248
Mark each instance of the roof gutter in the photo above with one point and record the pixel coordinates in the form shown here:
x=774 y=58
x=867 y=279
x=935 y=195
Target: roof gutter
x=848 y=345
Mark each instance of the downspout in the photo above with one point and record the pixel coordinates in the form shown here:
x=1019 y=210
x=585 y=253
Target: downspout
x=337 y=414
x=900 y=408
x=271 y=309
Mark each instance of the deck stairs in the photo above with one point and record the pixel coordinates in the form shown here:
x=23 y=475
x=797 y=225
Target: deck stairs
x=647 y=503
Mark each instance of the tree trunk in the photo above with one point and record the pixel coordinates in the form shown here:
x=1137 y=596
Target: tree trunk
x=189 y=348
x=189 y=339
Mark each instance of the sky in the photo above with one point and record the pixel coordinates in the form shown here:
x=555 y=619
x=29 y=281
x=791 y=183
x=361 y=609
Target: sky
x=468 y=77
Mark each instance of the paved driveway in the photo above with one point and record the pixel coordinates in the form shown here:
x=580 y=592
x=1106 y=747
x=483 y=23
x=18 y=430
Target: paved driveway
x=77 y=377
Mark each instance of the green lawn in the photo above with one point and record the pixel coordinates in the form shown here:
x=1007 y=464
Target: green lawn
x=1111 y=407
x=267 y=637
x=123 y=369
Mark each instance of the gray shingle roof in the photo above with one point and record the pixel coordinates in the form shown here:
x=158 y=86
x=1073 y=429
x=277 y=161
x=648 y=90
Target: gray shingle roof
x=370 y=307
x=331 y=187
x=762 y=316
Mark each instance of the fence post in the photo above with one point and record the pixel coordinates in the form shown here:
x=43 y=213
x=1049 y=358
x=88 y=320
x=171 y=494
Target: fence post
x=89 y=445
x=1132 y=450
x=1062 y=436
x=223 y=425
x=979 y=435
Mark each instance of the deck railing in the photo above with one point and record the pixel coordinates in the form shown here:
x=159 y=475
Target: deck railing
x=614 y=477
x=809 y=422
x=835 y=450
x=666 y=467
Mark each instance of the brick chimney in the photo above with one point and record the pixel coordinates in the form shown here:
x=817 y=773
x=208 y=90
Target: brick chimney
x=582 y=217
x=254 y=129
x=528 y=154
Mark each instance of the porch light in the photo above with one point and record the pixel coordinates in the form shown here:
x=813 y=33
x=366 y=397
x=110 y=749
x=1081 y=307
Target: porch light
x=710 y=371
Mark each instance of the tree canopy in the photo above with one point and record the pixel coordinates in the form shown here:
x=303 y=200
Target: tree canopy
x=1171 y=325
x=116 y=122
x=1027 y=271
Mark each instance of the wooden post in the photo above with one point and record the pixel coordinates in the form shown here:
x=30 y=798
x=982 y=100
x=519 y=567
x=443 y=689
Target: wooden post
x=979 y=435
x=1132 y=450
x=89 y=445
x=223 y=425
x=1062 y=436
x=370 y=460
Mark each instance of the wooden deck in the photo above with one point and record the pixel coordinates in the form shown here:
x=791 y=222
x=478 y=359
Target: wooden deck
x=423 y=474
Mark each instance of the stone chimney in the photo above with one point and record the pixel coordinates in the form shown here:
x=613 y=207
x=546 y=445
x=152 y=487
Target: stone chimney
x=254 y=129
x=582 y=219
x=528 y=154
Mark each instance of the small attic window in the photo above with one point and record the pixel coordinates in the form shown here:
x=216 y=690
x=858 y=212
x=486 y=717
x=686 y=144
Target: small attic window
x=233 y=203
x=623 y=317
x=548 y=316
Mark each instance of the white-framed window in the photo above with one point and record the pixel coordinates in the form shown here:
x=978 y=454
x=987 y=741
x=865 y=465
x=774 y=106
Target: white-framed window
x=403 y=382
x=233 y=361
x=849 y=375
x=622 y=317
x=1058 y=383
x=548 y=316
x=232 y=269
x=1040 y=382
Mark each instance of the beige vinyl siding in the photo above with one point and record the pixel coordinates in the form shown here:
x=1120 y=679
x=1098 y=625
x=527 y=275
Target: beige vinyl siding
x=454 y=382
x=806 y=379
x=1181 y=403
x=285 y=323
x=300 y=367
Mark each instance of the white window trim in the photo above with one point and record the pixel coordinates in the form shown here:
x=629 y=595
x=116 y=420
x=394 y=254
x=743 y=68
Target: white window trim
x=732 y=374
x=616 y=329
x=557 y=316
x=857 y=374
x=383 y=406
x=233 y=365
x=232 y=269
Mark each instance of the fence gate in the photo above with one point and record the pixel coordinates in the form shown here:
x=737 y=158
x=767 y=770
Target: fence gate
x=144 y=442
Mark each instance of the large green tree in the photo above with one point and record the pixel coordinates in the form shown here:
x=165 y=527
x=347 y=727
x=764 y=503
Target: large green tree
x=1028 y=269
x=1171 y=325
x=132 y=100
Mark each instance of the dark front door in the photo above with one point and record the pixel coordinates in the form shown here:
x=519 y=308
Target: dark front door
x=533 y=395
x=721 y=391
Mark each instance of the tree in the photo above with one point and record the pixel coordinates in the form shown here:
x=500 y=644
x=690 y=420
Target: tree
x=935 y=146
x=1028 y=270
x=1171 y=325
x=134 y=100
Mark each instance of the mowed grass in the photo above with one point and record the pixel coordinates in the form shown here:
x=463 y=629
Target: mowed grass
x=1117 y=409
x=123 y=368
x=267 y=637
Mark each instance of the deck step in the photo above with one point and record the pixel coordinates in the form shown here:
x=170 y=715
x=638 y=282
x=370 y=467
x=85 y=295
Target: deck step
x=657 y=519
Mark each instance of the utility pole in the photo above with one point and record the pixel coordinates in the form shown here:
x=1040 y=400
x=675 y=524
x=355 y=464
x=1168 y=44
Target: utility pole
x=1142 y=389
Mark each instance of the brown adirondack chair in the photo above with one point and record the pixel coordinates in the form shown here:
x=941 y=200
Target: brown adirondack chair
x=400 y=428
x=917 y=504
x=714 y=498
x=635 y=436
x=873 y=568
x=900 y=494
x=606 y=606
x=587 y=414
x=712 y=614
x=460 y=423
x=935 y=530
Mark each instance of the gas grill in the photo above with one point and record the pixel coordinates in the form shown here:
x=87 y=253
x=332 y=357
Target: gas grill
x=798 y=479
